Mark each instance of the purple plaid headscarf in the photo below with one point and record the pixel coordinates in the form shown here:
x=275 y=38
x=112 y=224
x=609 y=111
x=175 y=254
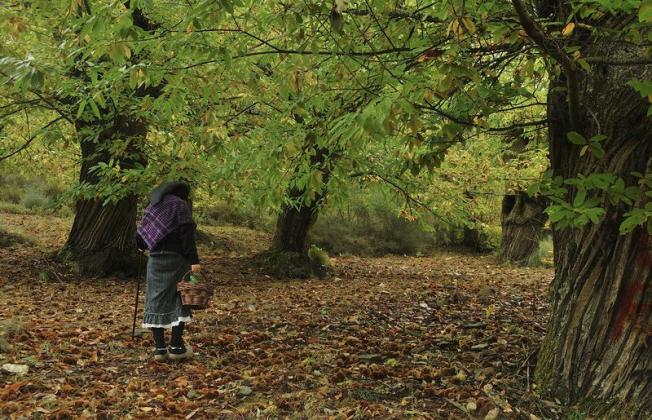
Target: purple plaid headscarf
x=162 y=217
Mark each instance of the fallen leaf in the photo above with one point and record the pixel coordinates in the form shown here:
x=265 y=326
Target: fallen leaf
x=492 y=414
x=19 y=370
x=244 y=390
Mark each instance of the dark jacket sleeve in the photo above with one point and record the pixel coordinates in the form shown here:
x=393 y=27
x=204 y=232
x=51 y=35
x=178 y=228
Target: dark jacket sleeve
x=188 y=243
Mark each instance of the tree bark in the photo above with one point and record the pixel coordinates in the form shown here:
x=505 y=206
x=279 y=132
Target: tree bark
x=522 y=223
x=597 y=351
x=293 y=226
x=101 y=241
x=295 y=220
x=102 y=238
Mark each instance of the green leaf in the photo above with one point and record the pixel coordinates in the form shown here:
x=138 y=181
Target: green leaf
x=584 y=64
x=632 y=193
x=556 y=213
x=595 y=214
x=642 y=87
x=80 y=110
x=579 y=198
x=597 y=150
x=94 y=108
x=576 y=138
x=635 y=218
x=598 y=138
x=645 y=12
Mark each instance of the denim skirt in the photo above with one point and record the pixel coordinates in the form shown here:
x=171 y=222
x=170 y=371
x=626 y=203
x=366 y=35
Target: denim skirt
x=163 y=307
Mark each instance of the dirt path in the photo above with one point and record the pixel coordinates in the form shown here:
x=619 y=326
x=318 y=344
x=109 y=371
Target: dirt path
x=443 y=336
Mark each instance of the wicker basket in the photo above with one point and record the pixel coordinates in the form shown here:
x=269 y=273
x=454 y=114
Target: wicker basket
x=194 y=296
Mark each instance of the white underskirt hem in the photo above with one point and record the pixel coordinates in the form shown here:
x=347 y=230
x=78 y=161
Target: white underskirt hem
x=185 y=319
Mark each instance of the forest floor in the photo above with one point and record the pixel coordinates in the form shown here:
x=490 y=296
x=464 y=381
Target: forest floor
x=444 y=336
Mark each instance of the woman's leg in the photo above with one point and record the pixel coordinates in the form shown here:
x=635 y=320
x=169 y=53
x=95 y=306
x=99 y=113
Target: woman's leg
x=178 y=350
x=159 y=337
x=177 y=336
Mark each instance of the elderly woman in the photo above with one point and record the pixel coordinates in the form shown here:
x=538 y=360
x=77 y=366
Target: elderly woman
x=168 y=232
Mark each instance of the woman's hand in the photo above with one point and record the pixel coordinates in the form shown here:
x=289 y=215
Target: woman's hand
x=195 y=268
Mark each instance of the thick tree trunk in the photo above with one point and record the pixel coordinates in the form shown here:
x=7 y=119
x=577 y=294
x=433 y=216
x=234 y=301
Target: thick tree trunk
x=101 y=241
x=295 y=220
x=523 y=218
x=293 y=226
x=598 y=348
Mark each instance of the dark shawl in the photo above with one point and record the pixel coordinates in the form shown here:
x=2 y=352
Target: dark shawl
x=167 y=210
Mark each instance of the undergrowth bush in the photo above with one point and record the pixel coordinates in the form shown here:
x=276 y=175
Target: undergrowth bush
x=13 y=208
x=371 y=225
x=480 y=238
x=10 y=196
x=21 y=195
x=242 y=214
x=543 y=257
x=35 y=199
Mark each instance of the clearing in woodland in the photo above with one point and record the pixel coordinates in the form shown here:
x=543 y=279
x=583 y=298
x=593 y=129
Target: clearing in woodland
x=450 y=335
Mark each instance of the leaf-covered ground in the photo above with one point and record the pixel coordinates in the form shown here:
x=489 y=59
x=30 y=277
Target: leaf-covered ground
x=444 y=336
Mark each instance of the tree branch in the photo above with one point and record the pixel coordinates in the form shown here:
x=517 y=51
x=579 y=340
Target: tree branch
x=558 y=54
x=467 y=123
x=278 y=50
x=408 y=197
x=615 y=62
x=31 y=139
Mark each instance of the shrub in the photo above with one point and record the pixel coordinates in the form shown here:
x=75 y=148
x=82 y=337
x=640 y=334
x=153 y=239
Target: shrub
x=371 y=226
x=35 y=199
x=223 y=213
x=12 y=208
x=11 y=187
x=32 y=196
x=319 y=256
x=10 y=195
x=543 y=256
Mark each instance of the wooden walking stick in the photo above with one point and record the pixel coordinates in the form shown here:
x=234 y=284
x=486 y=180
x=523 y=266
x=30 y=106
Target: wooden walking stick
x=133 y=327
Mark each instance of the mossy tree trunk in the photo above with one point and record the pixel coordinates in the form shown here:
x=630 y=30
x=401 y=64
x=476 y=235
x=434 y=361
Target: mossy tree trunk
x=101 y=240
x=522 y=220
x=597 y=351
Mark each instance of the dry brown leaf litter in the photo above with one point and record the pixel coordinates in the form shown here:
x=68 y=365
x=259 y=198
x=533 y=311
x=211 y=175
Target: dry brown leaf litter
x=448 y=336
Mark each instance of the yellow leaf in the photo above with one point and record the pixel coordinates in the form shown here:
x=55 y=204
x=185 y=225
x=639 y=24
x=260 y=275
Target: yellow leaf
x=453 y=27
x=584 y=150
x=468 y=23
x=295 y=80
x=568 y=30
x=126 y=50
